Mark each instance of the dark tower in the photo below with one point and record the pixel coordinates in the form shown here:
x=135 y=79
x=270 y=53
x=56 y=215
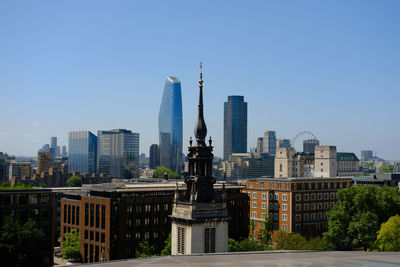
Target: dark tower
x=200 y=181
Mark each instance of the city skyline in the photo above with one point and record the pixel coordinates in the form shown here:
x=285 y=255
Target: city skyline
x=329 y=68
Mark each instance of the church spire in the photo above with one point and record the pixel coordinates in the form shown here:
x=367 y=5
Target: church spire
x=200 y=130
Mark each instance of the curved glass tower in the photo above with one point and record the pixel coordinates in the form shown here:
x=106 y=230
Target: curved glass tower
x=170 y=125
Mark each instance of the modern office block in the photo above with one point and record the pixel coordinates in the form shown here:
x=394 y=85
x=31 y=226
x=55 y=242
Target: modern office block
x=269 y=142
x=309 y=145
x=53 y=147
x=82 y=146
x=282 y=143
x=154 y=156
x=235 y=126
x=367 y=155
x=118 y=153
x=64 y=151
x=170 y=125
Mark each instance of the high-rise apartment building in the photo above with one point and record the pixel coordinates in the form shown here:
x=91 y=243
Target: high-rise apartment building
x=43 y=161
x=235 y=126
x=309 y=145
x=367 y=155
x=170 y=125
x=82 y=146
x=269 y=142
x=260 y=145
x=53 y=147
x=118 y=153
x=154 y=156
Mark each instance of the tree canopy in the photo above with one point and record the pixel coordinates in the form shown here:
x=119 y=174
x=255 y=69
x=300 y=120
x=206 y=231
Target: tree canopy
x=22 y=244
x=160 y=170
x=389 y=235
x=167 y=249
x=355 y=220
x=71 y=247
x=74 y=181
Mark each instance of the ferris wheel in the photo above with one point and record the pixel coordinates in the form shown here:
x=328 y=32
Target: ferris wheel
x=302 y=134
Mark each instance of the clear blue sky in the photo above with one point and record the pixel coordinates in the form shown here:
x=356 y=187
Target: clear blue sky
x=331 y=67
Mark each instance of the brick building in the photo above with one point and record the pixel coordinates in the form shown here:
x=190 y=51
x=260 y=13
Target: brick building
x=114 y=218
x=37 y=204
x=295 y=204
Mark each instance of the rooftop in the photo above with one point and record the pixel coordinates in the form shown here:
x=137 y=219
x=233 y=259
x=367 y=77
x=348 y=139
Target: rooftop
x=303 y=179
x=268 y=258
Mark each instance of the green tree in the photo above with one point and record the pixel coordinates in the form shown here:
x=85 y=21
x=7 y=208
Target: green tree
x=22 y=245
x=145 y=250
x=167 y=249
x=290 y=241
x=252 y=233
x=389 y=235
x=250 y=245
x=71 y=247
x=266 y=231
x=318 y=243
x=74 y=181
x=355 y=220
x=160 y=170
x=233 y=245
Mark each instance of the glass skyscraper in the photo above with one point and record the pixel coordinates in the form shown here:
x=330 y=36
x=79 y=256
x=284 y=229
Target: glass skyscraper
x=82 y=146
x=118 y=153
x=235 y=126
x=170 y=125
x=269 y=142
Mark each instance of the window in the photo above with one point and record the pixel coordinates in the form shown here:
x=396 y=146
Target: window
x=137 y=235
x=322 y=185
x=276 y=197
x=276 y=216
x=276 y=206
x=280 y=167
x=326 y=205
x=271 y=196
x=263 y=196
x=86 y=234
x=276 y=226
x=138 y=208
x=305 y=206
x=326 y=196
x=97 y=236
x=166 y=207
x=129 y=223
x=264 y=206
x=262 y=184
x=312 y=206
x=103 y=217
x=86 y=214
x=103 y=238
x=298 y=207
x=284 y=197
x=312 y=197
x=284 y=227
x=209 y=240
x=65 y=213
x=309 y=186
x=33 y=199
x=306 y=197
x=91 y=215
x=295 y=186
x=272 y=185
x=284 y=207
x=284 y=217
x=44 y=199
x=297 y=227
x=77 y=215
x=319 y=206
x=91 y=235
x=254 y=205
x=97 y=216
x=312 y=216
x=306 y=217
x=181 y=240
x=254 y=214
x=329 y=185
x=147 y=208
x=341 y=185
x=298 y=217
x=319 y=196
x=254 y=195
x=279 y=186
x=137 y=222
x=303 y=186
x=146 y=221
x=73 y=215
x=298 y=197
x=316 y=185
x=332 y=204
x=128 y=236
x=69 y=214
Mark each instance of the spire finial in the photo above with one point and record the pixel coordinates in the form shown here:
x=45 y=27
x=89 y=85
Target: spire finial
x=200 y=130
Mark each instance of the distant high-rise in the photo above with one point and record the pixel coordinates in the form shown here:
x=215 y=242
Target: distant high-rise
x=154 y=156
x=58 y=151
x=367 y=155
x=53 y=147
x=170 y=125
x=64 y=151
x=269 y=142
x=235 y=126
x=82 y=146
x=309 y=145
x=282 y=142
x=117 y=153
x=259 y=148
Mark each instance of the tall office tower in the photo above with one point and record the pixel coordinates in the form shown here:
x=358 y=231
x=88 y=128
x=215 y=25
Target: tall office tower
x=282 y=142
x=53 y=147
x=235 y=126
x=64 y=151
x=118 y=153
x=154 y=156
x=58 y=151
x=259 y=148
x=309 y=145
x=82 y=146
x=269 y=142
x=170 y=125
x=366 y=155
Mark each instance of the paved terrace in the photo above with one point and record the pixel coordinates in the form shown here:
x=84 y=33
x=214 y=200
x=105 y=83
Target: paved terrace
x=267 y=258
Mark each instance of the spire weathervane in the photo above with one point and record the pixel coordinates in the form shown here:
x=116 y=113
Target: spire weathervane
x=200 y=131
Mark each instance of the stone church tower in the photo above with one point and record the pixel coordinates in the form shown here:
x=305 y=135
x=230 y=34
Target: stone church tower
x=199 y=218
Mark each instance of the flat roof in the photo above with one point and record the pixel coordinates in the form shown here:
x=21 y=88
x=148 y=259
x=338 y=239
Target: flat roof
x=267 y=258
x=303 y=179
